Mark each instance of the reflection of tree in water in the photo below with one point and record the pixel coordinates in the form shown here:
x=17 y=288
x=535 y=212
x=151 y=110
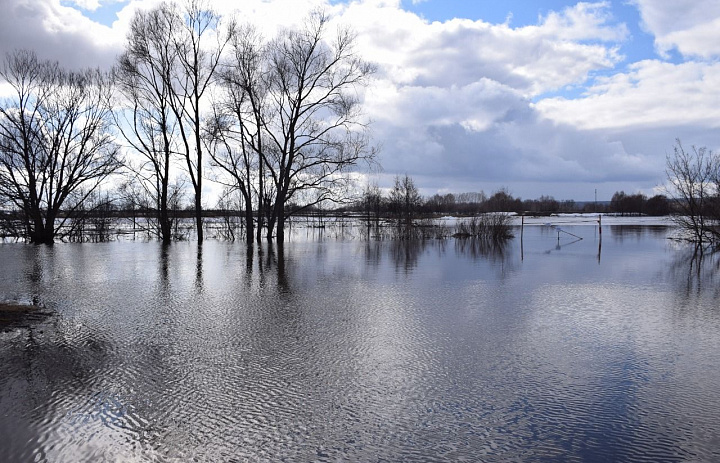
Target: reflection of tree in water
x=622 y=232
x=696 y=274
x=475 y=248
x=164 y=268
x=636 y=232
x=373 y=253
x=271 y=264
x=657 y=231
x=199 y=283
x=38 y=268
x=249 y=262
x=496 y=253
x=405 y=253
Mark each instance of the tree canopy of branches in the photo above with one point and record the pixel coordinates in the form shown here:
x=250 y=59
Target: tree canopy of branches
x=625 y=204
x=371 y=203
x=694 y=178
x=503 y=201
x=295 y=106
x=56 y=145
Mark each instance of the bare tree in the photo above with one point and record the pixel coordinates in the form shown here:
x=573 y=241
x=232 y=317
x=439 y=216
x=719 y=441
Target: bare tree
x=237 y=164
x=55 y=141
x=145 y=119
x=371 y=203
x=694 y=178
x=405 y=199
x=235 y=132
x=198 y=61
x=313 y=132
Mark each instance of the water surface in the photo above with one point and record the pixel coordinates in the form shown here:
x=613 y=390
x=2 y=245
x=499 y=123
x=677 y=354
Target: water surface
x=331 y=349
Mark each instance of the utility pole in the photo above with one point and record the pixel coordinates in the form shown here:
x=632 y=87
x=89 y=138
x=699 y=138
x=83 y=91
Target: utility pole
x=595 y=200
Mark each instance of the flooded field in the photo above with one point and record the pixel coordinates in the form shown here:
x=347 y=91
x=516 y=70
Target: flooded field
x=329 y=348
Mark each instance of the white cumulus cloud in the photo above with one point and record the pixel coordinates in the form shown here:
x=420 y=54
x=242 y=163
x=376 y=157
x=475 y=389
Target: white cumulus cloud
x=651 y=94
x=692 y=27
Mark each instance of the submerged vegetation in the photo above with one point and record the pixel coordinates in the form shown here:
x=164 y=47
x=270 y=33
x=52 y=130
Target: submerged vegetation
x=492 y=227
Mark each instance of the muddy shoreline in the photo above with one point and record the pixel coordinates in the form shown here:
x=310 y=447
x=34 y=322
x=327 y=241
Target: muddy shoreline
x=18 y=315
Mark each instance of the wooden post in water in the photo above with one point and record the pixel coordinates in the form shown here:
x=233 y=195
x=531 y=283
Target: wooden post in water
x=600 y=236
x=522 y=229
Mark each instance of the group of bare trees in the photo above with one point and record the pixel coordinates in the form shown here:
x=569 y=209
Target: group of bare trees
x=288 y=126
x=277 y=119
x=163 y=78
x=638 y=204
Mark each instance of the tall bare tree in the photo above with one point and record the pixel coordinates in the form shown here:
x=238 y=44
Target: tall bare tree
x=145 y=118
x=235 y=131
x=405 y=199
x=198 y=57
x=56 y=145
x=293 y=106
x=372 y=203
x=312 y=120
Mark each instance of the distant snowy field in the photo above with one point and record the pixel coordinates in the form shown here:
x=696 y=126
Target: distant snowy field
x=592 y=219
x=579 y=219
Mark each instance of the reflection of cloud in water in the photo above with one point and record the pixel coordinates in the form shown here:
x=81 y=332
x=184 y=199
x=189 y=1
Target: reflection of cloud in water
x=619 y=352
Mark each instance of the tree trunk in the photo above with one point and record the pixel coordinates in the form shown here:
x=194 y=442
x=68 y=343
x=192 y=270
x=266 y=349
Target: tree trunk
x=249 y=235
x=198 y=214
x=277 y=219
x=270 y=229
x=165 y=226
x=261 y=201
x=281 y=228
x=43 y=233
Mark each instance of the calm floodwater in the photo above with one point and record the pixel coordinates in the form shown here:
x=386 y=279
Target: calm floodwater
x=348 y=350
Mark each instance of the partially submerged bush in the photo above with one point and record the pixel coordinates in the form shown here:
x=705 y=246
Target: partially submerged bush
x=493 y=226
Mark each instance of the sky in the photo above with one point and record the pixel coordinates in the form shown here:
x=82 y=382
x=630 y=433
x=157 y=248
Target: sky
x=545 y=97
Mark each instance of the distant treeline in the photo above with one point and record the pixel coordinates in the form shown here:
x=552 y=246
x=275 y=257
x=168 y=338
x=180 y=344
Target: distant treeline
x=404 y=197
x=92 y=221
